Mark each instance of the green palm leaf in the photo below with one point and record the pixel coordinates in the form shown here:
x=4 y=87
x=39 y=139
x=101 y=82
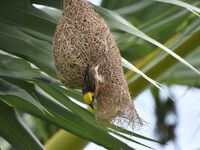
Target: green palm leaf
x=28 y=81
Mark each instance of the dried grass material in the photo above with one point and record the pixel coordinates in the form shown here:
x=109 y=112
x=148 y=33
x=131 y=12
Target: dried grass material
x=82 y=37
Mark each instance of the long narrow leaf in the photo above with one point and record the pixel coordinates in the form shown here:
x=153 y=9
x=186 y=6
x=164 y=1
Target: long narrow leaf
x=25 y=46
x=133 y=68
x=66 y=119
x=118 y=22
x=130 y=139
x=9 y=90
x=15 y=131
x=155 y=68
x=73 y=112
x=191 y=8
x=17 y=68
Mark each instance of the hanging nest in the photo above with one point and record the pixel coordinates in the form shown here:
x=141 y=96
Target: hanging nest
x=82 y=37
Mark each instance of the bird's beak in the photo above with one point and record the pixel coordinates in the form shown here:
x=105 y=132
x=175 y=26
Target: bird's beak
x=92 y=105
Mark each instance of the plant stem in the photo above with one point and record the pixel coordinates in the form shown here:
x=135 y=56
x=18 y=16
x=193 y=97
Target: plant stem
x=63 y=140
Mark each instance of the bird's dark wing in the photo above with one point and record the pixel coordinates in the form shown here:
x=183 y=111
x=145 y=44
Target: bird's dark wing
x=88 y=83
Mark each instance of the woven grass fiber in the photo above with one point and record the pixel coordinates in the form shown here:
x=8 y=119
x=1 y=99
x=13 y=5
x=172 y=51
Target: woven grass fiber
x=82 y=37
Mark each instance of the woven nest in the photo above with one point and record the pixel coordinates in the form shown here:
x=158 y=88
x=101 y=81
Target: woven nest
x=82 y=37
